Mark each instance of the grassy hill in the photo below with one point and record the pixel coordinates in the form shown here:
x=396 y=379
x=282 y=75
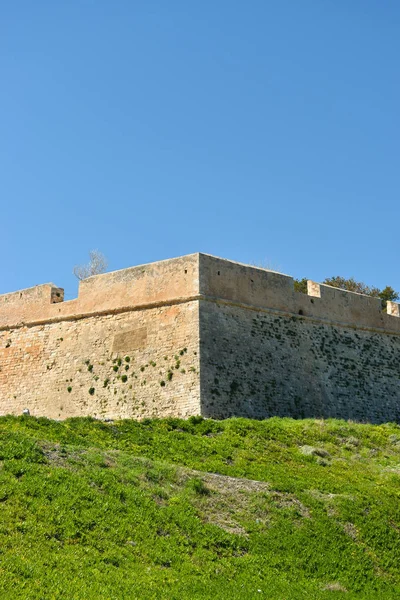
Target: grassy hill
x=176 y=509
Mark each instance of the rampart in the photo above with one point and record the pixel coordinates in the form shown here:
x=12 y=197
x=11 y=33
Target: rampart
x=199 y=335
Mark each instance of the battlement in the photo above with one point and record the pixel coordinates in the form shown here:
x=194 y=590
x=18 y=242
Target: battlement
x=244 y=284
x=196 y=276
x=162 y=282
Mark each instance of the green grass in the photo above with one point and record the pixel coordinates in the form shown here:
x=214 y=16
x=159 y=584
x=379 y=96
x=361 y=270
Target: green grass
x=173 y=509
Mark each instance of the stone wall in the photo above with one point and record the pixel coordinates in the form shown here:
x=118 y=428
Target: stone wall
x=135 y=364
x=259 y=288
x=259 y=364
x=268 y=350
x=155 y=284
x=199 y=335
x=126 y=347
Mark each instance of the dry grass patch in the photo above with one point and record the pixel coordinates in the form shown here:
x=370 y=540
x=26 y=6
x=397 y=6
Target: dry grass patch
x=233 y=503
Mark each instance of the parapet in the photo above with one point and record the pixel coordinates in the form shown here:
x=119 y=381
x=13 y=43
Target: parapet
x=153 y=284
x=348 y=307
x=192 y=277
x=29 y=303
x=264 y=289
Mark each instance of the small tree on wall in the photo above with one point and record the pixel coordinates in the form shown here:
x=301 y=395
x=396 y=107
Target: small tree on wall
x=97 y=264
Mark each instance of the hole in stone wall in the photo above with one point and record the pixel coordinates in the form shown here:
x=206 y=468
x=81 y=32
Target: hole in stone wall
x=312 y=300
x=185 y=271
x=301 y=312
x=219 y=272
x=252 y=280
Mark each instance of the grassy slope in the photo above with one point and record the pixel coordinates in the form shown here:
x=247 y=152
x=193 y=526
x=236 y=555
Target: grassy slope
x=127 y=509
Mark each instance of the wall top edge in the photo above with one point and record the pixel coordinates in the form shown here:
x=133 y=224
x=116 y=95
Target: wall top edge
x=247 y=265
x=30 y=290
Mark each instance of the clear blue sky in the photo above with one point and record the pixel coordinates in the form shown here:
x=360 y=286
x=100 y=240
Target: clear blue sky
x=257 y=131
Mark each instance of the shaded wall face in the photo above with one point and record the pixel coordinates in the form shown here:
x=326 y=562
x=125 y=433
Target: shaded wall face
x=135 y=364
x=260 y=288
x=258 y=364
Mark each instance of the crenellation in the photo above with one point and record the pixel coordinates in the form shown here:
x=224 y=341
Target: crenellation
x=393 y=309
x=158 y=283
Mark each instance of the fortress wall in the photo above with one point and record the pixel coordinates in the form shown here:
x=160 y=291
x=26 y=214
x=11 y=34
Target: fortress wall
x=155 y=283
x=39 y=363
x=264 y=349
x=259 y=288
x=259 y=364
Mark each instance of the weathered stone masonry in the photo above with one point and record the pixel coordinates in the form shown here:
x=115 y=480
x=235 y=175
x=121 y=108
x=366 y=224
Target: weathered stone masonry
x=126 y=347
x=199 y=335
